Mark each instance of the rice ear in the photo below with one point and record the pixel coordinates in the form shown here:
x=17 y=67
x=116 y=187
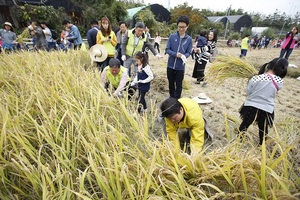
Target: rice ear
x=228 y=66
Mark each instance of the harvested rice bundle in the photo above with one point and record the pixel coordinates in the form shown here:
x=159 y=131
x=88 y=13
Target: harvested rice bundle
x=225 y=67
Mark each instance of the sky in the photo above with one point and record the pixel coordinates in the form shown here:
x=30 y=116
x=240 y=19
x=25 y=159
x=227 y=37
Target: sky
x=290 y=7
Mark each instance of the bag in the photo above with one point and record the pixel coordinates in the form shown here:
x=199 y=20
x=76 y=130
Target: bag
x=54 y=34
x=213 y=55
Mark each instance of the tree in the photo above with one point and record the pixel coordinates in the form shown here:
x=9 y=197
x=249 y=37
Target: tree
x=194 y=15
x=48 y=14
x=147 y=17
x=114 y=10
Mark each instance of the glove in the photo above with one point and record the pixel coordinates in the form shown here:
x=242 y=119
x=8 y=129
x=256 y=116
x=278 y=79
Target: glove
x=132 y=84
x=158 y=56
x=123 y=57
x=183 y=58
x=206 y=48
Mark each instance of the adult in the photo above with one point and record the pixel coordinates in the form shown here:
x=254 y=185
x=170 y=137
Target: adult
x=179 y=48
x=245 y=45
x=135 y=40
x=40 y=42
x=51 y=44
x=120 y=38
x=115 y=77
x=92 y=33
x=108 y=39
x=74 y=34
x=202 y=57
x=289 y=42
x=183 y=113
x=8 y=37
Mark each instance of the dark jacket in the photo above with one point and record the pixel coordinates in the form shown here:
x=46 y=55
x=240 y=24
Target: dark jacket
x=178 y=45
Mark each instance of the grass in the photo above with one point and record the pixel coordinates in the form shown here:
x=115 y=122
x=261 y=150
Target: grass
x=63 y=137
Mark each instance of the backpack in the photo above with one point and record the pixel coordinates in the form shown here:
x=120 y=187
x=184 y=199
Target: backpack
x=54 y=34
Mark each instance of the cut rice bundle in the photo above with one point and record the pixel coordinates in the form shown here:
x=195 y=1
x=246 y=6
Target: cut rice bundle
x=225 y=67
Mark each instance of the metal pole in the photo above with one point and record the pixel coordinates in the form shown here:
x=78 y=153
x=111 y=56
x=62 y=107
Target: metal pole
x=227 y=14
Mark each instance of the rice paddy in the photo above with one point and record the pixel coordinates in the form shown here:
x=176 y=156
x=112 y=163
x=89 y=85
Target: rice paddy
x=63 y=137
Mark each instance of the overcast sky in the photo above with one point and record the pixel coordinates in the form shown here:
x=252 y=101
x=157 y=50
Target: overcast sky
x=290 y=7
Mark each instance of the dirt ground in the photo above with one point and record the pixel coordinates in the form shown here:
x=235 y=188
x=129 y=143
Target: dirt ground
x=229 y=96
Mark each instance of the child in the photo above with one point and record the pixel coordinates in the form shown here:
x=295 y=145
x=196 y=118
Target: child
x=262 y=90
x=201 y=39
x=142 y=78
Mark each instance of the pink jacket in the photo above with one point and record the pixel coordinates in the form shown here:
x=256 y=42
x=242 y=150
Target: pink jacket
x=287 y=39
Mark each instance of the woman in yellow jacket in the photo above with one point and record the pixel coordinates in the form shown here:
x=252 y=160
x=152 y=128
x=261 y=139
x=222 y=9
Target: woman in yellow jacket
x=108 y=39
x=184 y=113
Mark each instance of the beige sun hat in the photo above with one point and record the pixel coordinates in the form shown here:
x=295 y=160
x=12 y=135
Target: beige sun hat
x=98 y=53
x=8 y=24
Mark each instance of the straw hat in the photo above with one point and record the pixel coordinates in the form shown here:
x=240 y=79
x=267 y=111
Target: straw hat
x=98 y=53
x=8 y=24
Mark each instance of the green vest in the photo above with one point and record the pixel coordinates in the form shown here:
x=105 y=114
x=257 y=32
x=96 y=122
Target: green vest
x=115 y=80
x=108 y=45
x=130 y=47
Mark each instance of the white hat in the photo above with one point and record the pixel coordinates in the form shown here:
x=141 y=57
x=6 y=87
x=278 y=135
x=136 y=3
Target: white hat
x=98 y=53
x=202 y=99
x=30 y=27
x=8 y=24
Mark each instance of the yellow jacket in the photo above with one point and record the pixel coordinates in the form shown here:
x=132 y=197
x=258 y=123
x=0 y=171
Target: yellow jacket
x=193 y=121
x=109 y=45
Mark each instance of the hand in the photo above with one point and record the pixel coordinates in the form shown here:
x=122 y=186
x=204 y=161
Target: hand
x=141 y=81
x=183 y=58
x=179 y=55
x=132 y=84
x=123 y=57
x=158 y=56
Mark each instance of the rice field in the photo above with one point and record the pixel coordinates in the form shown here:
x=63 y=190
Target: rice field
x=64 y=137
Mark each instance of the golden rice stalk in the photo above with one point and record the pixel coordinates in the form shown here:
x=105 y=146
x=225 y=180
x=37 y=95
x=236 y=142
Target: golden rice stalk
x=227 y=66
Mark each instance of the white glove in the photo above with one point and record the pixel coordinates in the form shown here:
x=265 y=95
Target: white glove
x=132 y=84
x=123 y=57
x=158 y=56
x=183 y=58
x=206 y=48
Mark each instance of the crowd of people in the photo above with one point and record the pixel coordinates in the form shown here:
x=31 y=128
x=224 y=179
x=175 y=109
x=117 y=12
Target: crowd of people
x=115 y=53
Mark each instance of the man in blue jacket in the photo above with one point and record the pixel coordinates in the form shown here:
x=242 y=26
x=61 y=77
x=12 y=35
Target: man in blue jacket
x=179 y=48
x=75 y=34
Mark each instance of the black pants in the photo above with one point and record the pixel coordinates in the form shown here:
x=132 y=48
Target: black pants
x=199 y=69
x=251 y=114
x=156 y=45
x=102 y=65
x=142 y=100
x=185 y=141
x=175 y=78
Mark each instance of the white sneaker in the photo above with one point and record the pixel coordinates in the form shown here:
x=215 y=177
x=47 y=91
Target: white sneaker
x=298 y=78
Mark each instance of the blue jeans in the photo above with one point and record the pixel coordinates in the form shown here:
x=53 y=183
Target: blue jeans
x=51 y=45
x=287 y=53
x=244 y=52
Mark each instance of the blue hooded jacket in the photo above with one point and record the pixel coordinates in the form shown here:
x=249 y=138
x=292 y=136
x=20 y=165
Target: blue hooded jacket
x=178 y=45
